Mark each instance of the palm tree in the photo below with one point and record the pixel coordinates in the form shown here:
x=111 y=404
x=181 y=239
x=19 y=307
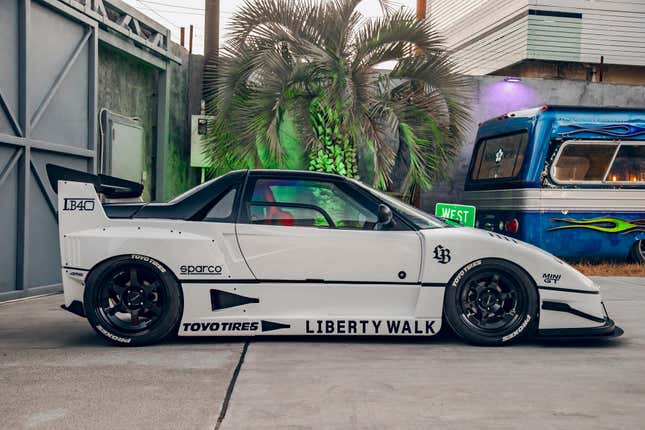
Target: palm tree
x=315 y=64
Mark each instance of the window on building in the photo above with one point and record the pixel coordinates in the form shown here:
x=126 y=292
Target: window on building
x=500 y=157
x=307 y=203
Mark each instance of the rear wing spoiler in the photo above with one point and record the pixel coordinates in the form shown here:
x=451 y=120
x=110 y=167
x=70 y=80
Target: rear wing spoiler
x=109 y=186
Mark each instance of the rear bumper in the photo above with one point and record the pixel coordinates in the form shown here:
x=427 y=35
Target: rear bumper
x=76 y=308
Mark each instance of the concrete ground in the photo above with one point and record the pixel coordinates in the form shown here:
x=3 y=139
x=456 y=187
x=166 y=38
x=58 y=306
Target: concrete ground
x=55 y=373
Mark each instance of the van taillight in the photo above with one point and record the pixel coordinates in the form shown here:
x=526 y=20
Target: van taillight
x=513 y=226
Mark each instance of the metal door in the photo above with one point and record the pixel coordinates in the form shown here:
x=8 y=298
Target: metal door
x=48 y=55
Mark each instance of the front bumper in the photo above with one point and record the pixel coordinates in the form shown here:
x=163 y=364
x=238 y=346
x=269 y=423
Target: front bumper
x=607 y=330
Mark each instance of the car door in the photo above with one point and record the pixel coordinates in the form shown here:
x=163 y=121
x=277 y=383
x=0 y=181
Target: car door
x=311 y=241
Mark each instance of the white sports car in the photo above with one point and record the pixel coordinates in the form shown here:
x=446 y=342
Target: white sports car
x=271 y=252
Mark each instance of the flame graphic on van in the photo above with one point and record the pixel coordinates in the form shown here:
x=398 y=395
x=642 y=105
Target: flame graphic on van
x=604 y=225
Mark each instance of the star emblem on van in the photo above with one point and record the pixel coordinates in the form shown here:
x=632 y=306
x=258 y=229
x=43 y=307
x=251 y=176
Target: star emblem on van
x=499 y=155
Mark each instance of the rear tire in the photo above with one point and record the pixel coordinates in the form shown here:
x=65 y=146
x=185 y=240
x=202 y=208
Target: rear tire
x=491 y=302
x=132 y=300
x=638 y=252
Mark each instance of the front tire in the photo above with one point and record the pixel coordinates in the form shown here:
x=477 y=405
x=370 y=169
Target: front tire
x=491 y=302
x=132 y=300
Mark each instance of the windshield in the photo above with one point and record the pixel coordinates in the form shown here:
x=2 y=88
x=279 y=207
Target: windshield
x=422 y=219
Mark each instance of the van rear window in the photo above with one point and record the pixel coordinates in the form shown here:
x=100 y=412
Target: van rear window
x=500 y=157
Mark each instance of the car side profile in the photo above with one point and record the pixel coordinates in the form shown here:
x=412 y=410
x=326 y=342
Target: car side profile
x=273 y=252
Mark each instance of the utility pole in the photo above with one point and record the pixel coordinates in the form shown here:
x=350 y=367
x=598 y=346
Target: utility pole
x=422 y=6
x=211 y=29
x=415 y=194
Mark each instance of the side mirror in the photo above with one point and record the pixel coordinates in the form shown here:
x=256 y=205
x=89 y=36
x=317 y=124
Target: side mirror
x=385 y=218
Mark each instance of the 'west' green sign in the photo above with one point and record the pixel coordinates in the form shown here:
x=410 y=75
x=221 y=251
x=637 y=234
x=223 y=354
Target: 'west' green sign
x=462 y=213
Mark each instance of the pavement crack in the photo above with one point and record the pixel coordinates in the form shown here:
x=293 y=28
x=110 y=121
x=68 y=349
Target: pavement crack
x=231 y=386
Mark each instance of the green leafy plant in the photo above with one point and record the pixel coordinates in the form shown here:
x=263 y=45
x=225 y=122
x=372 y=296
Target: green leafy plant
x=317 y=64
x=337 y=153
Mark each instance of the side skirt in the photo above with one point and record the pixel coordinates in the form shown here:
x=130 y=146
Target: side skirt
x=310 y=327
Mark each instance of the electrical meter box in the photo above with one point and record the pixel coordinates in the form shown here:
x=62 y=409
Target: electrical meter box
x=198 y=130
x=122 y=148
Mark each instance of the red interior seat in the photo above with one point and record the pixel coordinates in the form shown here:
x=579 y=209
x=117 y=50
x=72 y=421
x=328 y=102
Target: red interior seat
x=275 y=213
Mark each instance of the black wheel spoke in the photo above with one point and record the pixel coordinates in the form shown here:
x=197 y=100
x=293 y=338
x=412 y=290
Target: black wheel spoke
x=134 y=316
x=506 y=296
x=118 y=307
x=117 y=288
x=134 y=278
x=479 y=287
x=148 y=288
x=131 y=298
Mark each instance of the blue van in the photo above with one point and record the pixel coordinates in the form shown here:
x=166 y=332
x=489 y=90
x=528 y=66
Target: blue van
x=570 y=180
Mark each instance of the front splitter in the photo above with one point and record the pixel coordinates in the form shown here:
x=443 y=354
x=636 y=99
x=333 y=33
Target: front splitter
x=607 y=330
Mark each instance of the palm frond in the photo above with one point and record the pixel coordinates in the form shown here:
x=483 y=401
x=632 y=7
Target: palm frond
x=295 y=16
x=391 y=37
x=431 y=104
x=287 y=58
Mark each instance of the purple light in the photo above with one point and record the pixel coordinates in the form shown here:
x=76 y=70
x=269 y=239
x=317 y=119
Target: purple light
x=513 y=79
x=499 y=97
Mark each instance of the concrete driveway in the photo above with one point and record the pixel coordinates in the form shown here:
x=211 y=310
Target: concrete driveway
x=55 y=373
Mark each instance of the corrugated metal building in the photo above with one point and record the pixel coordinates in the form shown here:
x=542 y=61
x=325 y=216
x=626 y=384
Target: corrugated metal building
x=62 y=64
x=545 y=38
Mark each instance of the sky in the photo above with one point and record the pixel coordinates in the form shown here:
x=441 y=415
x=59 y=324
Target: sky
x=174 y=14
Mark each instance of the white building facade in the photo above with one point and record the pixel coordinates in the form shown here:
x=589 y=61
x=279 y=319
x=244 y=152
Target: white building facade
x=488 y=36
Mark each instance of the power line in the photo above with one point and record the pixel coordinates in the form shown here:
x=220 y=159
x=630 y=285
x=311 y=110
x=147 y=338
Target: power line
x=159 y=15
x=180 y=12
x=172 y=5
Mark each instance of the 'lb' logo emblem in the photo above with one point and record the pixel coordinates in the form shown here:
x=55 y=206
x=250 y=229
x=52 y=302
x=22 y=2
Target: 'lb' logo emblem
x=441 y=254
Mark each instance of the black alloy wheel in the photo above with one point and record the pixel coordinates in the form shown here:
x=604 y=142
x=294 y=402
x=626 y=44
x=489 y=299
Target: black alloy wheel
x=491 y=302
x=132 y=300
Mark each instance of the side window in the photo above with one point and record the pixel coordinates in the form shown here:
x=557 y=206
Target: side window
x=500 y=157
x=600 y=162
x=307 y=203
x=583 y=162
x=223 y=209
x=629 y=165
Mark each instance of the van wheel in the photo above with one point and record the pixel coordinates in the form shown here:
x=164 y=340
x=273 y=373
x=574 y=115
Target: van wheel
x=132 y=300
x=638 y=252
x=491 y=302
